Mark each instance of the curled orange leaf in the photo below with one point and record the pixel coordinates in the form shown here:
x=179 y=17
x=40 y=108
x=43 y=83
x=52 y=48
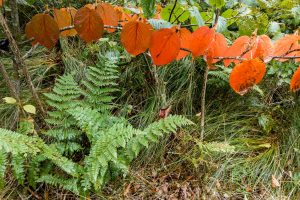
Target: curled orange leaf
x=136 y=36
x=295 y=81
x=64 y=18
x=44 y=29
x=88 y=24
x=246 y=74
x=200 y=40
x=108 y=15
x=185 y=40
x=164 y=46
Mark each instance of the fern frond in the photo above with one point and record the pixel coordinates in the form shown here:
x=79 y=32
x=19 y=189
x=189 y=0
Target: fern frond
x=153 y=132
x=3 y=164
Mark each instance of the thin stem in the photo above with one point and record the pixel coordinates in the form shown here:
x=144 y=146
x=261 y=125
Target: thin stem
x=203 y=94
x=171 y=13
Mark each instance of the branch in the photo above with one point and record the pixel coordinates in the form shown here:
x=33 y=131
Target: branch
x=171 y=13
x=29 y=53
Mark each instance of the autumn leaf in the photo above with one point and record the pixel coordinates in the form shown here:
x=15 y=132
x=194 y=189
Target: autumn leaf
x=136 y=36
x=88 y=24
x=285 y=44
x=164 y=46
x=200 y=40
x=90 y=6
x=295 y=81
x=108 y=15
x=30 y=32
x=64 y=18
x=44 y=29
x=263 y=48
x=246 y=74
x=1 y=2
x=185 y=39
x=217 y=48
x=238 y=47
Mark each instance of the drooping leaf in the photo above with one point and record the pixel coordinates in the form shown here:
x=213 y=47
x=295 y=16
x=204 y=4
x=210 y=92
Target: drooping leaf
x=148 y=8
x=136 y=36
x=185 y=39
x=295 y=81
x=200 y=40
x=109 y=15
x=64 y=18
x=88 y=24
x=246 y=75
x=44 y=29
x=164 y=46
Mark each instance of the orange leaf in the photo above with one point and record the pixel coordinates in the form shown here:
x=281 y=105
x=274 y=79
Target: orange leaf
x=90 y=6
x=217 y=48
x=200 y=40
x=185 y=39
x=44 y=29
x=246 y=74
x=136 y=37
x=108 y=15
x=164 y=46
x=283 y=45
x=29 y=31
x=295 y=81
x=88 y=24
x=64 y=18
x=238 y=47
x=264 y=48
x=1 y=2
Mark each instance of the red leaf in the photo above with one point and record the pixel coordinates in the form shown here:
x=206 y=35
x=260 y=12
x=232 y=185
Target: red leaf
x=88 y=24
x=136 y=36
x=246 y=74
x=200 y=40
x=29 y=31
x=295 y=81
x=44 y=30
x=164 y=46
x=185 y=39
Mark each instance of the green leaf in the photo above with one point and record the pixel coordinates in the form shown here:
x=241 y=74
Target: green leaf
x=148 y=8
x=10 y=100
x=179 y=13
x=196 y=17
x=229 y=15
x=30 y=109
x=217 y=3
x=258 y=21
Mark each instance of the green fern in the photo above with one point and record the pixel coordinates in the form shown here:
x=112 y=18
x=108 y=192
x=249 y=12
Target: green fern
x=3 y=163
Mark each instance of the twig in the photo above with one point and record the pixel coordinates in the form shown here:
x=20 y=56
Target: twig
x=29 y=53
x=171 y=13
